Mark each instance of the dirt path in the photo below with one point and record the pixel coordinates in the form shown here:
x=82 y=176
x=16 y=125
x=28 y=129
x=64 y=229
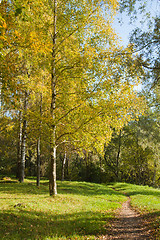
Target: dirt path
x=128 y=225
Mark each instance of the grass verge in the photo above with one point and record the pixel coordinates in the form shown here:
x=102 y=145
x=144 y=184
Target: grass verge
x=80 y=210
x=146 y=200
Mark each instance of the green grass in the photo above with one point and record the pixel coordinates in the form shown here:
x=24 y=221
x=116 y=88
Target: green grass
x=80 y=210
x=146 y=200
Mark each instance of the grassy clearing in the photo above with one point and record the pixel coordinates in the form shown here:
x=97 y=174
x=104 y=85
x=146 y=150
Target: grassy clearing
x=80 y=211
x=146 y=200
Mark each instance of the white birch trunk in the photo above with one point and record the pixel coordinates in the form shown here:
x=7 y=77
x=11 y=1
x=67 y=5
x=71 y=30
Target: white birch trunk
x=118 y=156
x=24 y=136
x=39 y=146
x=52 y=177
x=38 y=161
x=19 y=145
x=63 y=165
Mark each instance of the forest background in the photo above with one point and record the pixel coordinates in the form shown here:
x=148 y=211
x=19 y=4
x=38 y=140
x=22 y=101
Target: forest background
x=69 y=98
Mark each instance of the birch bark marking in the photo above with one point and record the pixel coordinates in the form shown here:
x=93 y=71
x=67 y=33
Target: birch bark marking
x=19 y=145
x=24 y=136
x=118 y=155
x=52 y=178
x=39 y=145
x=63 y=164
x=38 y=161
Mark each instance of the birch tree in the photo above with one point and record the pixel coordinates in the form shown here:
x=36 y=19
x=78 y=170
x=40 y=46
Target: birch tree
x=91 y=83
x=89 y=79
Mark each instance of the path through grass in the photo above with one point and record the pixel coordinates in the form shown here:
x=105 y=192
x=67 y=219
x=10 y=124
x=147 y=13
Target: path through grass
x=146 y=200
x=80 y=211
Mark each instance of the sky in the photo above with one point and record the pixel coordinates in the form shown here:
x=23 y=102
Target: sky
x=124 y=29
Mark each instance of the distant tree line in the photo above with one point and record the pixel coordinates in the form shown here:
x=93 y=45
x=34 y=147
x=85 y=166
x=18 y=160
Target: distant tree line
x=131 y=156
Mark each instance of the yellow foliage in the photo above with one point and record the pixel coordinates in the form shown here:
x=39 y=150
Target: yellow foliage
x=4 y=25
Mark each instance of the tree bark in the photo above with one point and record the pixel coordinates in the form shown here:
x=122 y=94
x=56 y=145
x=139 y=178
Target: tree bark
x=19 y=145
x=63 y=165
x=138 y=159
x=118 y=155
x=24 y=136
x=52 y=178
x=156 y=161
x=38 y=161
x=154 y=173
x=38 y=146
x=100 y=168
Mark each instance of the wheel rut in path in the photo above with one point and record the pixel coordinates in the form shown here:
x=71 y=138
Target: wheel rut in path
x=128 y=225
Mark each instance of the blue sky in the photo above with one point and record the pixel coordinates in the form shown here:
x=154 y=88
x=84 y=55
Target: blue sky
x=124 y=29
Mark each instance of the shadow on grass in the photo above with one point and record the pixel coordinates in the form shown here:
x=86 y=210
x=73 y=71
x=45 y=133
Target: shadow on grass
x=145 y=192
x=85 y=188
x=23 y=224
x=22 y=188
x=131 y=190
x=76 y=188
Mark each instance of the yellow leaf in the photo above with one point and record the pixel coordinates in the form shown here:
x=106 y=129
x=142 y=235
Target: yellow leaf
x=4 y=25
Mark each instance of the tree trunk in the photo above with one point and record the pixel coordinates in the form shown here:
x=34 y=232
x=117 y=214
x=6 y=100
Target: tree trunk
x=118 y=156
x=38 y=162
x=38 y=146
x=1 y=102
x=63 y=165
x=67 y=168
x=52 y=178
x=86 y=166
x=100 y=168
x=154 y=174
x=23 y=147
x=19 y=146
x=138 y=159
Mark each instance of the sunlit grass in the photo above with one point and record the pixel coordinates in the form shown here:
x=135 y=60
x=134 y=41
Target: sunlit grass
x=80 y=211
x=144 y=197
